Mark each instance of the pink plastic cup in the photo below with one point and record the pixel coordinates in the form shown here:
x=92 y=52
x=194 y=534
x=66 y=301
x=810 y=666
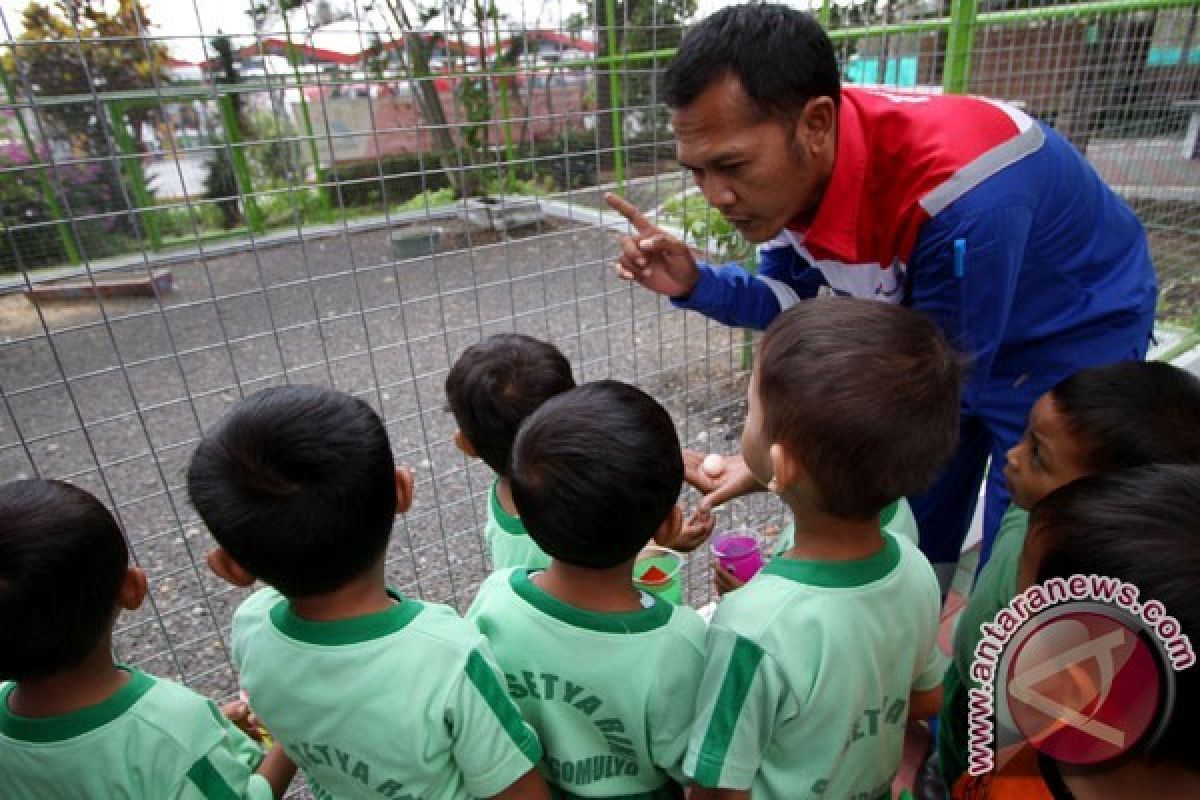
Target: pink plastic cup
x=737 y=552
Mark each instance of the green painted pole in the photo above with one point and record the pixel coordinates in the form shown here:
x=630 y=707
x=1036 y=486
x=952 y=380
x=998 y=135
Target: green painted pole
x=826 y=13
x=308 y=128
x=233 y=135
x=131 y=163
x=48 y=195
x=956 y=75
x=614 y=96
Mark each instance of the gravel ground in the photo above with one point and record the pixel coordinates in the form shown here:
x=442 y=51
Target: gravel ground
x=144 y=377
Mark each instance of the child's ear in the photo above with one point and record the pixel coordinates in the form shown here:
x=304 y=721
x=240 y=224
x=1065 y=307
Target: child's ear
x=133 y=589
x=228 y=570
x=464 y=445
x=404 y=489
x=671 y=528
x=786 y=469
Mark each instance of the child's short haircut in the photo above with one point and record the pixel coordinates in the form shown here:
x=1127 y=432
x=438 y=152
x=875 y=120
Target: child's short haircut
x=1132 y=413
x=1141 y=526
x=62 y=560
x=866 y=394
x=298 y=485
x=595 y=471
x=495 y=384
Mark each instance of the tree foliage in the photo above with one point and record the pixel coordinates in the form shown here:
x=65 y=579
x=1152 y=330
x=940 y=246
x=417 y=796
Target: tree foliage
x=77 y=47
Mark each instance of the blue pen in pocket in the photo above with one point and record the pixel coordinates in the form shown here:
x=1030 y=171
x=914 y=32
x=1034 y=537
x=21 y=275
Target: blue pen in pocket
x=960 y=275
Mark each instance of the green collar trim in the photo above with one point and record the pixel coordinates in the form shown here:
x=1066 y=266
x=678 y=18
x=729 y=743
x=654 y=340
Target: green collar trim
x=507 y=522
x=839 y=574
x=59 y=728
x=346 y=631
x=889 y=513
x=647 y=619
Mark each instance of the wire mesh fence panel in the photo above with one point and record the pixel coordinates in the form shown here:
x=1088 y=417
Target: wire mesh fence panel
x=201 y=200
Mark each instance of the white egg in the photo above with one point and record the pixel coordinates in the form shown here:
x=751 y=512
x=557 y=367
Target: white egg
x=713 y=465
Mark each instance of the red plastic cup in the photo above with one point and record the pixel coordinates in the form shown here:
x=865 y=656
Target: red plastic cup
x=737 y=552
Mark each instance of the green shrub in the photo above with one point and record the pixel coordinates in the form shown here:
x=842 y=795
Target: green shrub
x=383 y=182
x=703 y=225
x=428 y=200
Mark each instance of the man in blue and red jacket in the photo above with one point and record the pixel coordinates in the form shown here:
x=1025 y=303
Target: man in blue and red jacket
x=965 y=209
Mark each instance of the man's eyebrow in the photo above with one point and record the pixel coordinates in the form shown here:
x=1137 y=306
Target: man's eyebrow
x=717 y=159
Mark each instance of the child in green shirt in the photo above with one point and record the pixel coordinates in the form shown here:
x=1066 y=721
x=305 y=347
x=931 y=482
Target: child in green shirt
x=605 y=673
x=1140 y=526
x=1098 y=420
x=373 y=694
x=814 y=666
x=492 y=387
x=74 y=724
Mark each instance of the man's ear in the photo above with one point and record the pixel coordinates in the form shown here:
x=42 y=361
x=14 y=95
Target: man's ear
x=464 y=445
x=228 y=570
x=671 y=528
x=133 y=589
x=817 y=127
x=404 y=489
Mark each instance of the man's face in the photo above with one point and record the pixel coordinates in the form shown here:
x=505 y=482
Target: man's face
x=760 y=174
x=1048 y=456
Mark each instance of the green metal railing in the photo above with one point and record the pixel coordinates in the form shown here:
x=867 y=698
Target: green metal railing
x=962 y=27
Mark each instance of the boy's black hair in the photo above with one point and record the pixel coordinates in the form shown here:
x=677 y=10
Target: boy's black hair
x=1132 y=413
x=495 y=384
x=1141 y=526
x=865 y=394
x=595 y=471
x=780 y=56
x=62 y=561
x=298 y=485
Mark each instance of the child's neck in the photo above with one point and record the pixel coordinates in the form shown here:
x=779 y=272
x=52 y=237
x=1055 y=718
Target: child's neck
x=504 y=495
x=1131 y=780
x=605 y=590
x=822 y=537
x=366 y=594
x=92 y=682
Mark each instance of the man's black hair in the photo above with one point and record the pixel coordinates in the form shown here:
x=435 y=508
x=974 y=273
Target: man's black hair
x=1132 y=413
x=780 y=56
x=298 y=485
x=62 y=561
x=866 y=394
x=1141 y=526
x=495 y=384
x=595 y=472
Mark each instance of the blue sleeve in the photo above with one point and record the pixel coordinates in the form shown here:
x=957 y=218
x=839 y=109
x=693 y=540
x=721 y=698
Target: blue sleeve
x=732 y=296
x=972 y=308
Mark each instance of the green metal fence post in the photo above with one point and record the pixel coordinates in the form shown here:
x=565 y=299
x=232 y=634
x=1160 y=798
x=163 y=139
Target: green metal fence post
x=48 y=195
x=614 y=95
x=826 y=13
x=308 y=128
x=956 y=74
x=131 y=163
x=233 y=135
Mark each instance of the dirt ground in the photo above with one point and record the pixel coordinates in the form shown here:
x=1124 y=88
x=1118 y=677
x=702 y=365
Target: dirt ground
x=144 y=377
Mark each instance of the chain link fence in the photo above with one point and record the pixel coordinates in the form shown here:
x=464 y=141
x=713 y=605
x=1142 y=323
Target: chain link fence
x=348 y=194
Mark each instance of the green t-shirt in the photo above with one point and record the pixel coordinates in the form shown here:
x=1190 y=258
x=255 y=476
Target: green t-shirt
x=509 y=542
x=897 y=519
x=994 y=588
x=808 y=675
x=403 y=704
x=610 y=694
x=151 y=739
